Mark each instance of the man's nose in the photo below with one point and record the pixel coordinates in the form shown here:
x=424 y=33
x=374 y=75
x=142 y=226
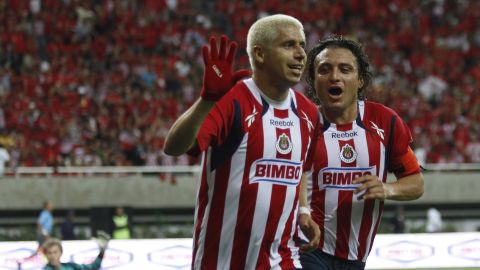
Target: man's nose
x=300 y=53
x=335 y=74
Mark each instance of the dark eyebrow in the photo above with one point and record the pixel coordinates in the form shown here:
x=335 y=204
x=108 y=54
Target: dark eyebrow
x=347 y=65
x=324 y=64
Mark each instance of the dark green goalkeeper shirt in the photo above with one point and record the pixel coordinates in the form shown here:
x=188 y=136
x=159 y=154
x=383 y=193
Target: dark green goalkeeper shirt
x=75 y=266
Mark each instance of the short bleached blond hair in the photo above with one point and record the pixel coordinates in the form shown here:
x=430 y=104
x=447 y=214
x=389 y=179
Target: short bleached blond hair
x=265 y=30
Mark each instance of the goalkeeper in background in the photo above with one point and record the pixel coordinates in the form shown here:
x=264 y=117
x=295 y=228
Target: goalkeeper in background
x=53 y=250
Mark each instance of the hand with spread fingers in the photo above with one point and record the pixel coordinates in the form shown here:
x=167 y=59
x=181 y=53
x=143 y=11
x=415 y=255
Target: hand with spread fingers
x=219 y=76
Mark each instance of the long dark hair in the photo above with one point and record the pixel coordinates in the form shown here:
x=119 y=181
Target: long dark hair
x=336 y=41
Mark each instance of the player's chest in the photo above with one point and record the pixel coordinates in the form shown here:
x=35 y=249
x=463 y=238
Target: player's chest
x=355 y=147
x=278 y=133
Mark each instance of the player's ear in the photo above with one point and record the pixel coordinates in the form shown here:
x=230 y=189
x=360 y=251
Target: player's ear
x=259 y=54
x=361 y=82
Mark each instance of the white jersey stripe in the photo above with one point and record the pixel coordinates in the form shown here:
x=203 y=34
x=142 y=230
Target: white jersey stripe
x=291 y=244
x=264 y=195
x=287 y=209
x=231 y=206
x=201 y=238
x=195 y=216
x=361 y=109
x=254 y=89
x=376 y=211
x=361 y=146
x=332 y=146
x=382 y=168
x=290 y=194
x=370 y=234
x=258 y=226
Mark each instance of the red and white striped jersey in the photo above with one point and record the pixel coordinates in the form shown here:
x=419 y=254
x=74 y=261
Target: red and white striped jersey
x=253 y=157
x=344 y=152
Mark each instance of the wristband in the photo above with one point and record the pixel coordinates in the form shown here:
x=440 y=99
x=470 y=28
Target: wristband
x=303 y=210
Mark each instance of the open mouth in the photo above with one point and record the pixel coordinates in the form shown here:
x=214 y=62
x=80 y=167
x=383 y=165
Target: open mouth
x=335 y=91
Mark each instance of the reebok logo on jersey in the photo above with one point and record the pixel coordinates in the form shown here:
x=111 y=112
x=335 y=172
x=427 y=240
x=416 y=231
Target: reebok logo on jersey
x=281 y=123
x=344 y=135
x=341 y=178
x=276 y=171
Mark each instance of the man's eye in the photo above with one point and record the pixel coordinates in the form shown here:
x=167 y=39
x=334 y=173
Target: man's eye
x=346 y=70
x=323 y=70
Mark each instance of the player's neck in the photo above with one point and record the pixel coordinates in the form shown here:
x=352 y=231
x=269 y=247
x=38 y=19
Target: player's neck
x=269 y=89
x=340 y=116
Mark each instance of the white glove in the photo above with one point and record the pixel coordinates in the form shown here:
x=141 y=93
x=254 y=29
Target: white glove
x=102 y=239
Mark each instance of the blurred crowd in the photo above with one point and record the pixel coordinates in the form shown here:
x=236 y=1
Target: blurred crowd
x=92 y=82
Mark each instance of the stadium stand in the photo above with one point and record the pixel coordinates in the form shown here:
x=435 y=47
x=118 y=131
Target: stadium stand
x=98 y=83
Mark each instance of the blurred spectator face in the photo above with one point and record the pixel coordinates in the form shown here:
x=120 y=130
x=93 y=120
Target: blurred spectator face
x=53 y=254
x=284 y=60
x=49 y=206
x=336 y=79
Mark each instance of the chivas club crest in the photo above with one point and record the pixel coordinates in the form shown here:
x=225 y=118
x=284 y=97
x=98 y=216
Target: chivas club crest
x=348 y=154
x=284 y=145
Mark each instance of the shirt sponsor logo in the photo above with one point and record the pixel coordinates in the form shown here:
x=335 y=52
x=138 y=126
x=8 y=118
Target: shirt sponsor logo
x=276 y=171
x=284 y=145
x=281 y=123
x=344 y=135
x=341 y=178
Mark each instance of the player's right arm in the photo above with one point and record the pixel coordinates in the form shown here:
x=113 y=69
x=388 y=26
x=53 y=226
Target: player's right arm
x=182 y=135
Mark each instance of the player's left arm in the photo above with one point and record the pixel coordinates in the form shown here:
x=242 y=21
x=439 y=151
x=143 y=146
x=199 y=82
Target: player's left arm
x=402 y=162
x=409 y=184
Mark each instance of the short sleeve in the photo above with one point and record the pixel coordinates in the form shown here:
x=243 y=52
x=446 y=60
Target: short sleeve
x=214 y=128
x=402 y=138
x=308 y=164
x=402 y=160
